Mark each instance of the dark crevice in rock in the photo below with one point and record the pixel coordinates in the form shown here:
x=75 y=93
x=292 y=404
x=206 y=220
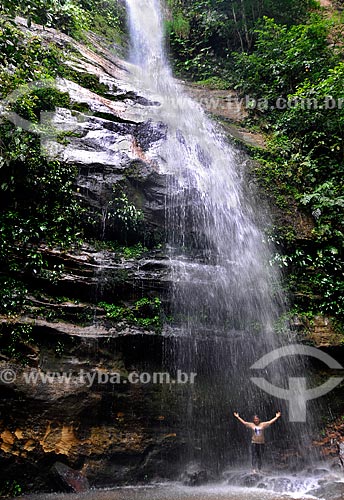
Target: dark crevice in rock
x=111 y=118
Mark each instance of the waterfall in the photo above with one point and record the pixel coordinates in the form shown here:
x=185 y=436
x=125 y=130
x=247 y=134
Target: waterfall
x=226 y=297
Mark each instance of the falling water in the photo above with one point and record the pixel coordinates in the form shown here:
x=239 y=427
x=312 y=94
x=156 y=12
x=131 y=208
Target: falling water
x=226 y=297
x=219 y=257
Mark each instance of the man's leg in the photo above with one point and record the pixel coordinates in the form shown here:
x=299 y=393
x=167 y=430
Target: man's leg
x=254 y=455
x=260 y=452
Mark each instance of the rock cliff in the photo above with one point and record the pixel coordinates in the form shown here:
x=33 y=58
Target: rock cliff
x=112 y=431
x=102 y=314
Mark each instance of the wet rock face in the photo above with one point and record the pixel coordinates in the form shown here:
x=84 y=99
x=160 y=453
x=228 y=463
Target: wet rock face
x=113 y=155
x=108 y=134
x=94 y=420
x=111 y=432
x=92 y=275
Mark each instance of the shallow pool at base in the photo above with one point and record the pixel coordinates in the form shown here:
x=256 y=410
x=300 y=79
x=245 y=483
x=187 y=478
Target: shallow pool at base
x=238 y=485
x=168 y=492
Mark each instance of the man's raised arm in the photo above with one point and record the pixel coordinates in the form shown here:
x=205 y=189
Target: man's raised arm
x=272 y=421
x=248 y=424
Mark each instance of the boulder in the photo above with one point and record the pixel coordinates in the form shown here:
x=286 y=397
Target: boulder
x=69 y=479
x=195 y=475
x=330 y=491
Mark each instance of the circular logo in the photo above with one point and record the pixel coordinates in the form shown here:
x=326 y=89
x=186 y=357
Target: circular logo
x=7 y=376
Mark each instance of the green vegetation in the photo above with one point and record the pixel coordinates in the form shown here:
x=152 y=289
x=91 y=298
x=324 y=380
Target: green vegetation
x=203 y=33
x=88 y=81
x=146 y=313
x=11 y=489
x=13 y=296
x=14 y=337
x=285 y=59
x=39 y=207
x=124 y=213
x=105 y=17
x=14 y=340
x=122 y=218
x=298 y=69
x=133 y=252
x=122 y=252
x=214 y=82
x=37 y=201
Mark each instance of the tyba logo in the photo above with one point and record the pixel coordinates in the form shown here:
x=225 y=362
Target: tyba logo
x=297 y=393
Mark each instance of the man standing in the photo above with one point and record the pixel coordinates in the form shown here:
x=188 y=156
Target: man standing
x=258 y=439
